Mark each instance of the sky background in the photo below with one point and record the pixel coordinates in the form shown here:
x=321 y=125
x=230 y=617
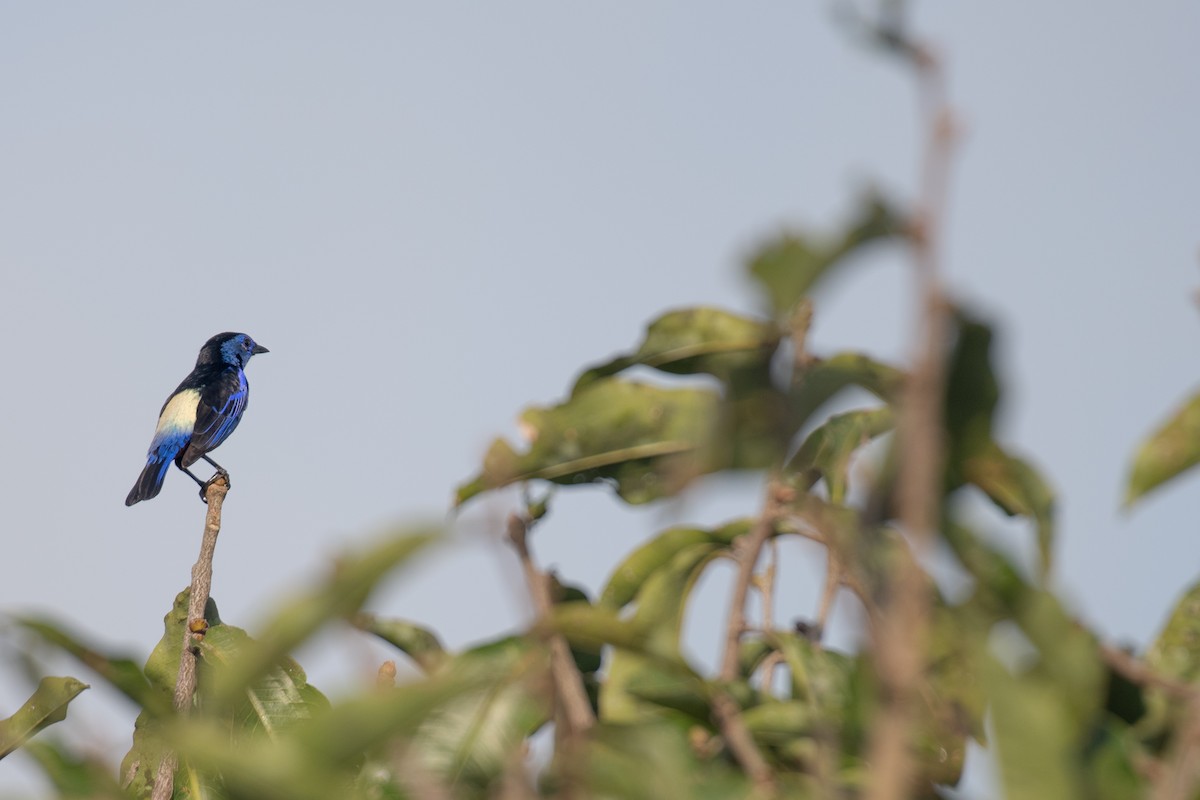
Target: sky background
x=436 y=214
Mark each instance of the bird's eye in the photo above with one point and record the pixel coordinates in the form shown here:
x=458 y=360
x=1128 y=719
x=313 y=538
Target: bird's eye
x=245 y=344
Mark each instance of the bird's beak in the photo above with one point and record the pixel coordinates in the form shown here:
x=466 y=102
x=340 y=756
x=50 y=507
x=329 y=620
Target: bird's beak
x=258 y=348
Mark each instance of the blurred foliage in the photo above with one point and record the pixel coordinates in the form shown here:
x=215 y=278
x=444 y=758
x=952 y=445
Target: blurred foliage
x=1170 y=450
x=642 y=440
x=788 y=267
x=46 y=706
x=1064 y=722
x=711 y=391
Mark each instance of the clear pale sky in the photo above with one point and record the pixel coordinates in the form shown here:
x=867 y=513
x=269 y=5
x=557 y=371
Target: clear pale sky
x=435 y=214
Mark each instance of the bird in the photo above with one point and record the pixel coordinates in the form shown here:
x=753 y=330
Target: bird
x=200 y=414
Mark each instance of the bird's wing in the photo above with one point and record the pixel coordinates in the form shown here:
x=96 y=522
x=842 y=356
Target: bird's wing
x=175 y=424
x=218 y=413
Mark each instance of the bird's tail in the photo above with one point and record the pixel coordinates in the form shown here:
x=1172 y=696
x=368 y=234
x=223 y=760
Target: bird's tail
x=149 y=482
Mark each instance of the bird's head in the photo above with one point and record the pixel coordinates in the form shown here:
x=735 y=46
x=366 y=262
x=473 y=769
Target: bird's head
x=230 y=348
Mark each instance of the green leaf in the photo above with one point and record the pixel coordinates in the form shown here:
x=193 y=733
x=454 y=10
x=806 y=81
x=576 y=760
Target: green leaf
x=1170 y=450
x=595 y=626
x=973 y=456
x=696 y=340
x=663 y=598
x=752 y=651
x=46 y=706
x=258 y=767
x=752 y=426
x=75 y=778
x=343 y=733
x=340 y=595
x=319 y=758
x=1045 y=717
x=827 y=451
x=1018 y=488
x=119 y=671
x=659 y=614
x=972 y=391
x=616 y=766
x=1036 y=739
x=824 y=378
x=278 y=698
x=630 y=575
x=1175 y=653
x=1115 y=764
x=162 y=667
x=140 y=765
x=587 y=658
x=420 y=644
x=646 y=441
x=1000 y=587
x=820 y=678
x=1069 y=653
x=650 y=441
x=778 y=722
x=788 y=267
x=954 y=701
x=471 y=740
x=671 y=689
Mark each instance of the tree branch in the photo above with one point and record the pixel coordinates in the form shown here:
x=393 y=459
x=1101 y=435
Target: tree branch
x=751 y=545
x=1177 y=776
x=833 y=581
x=568 y=683
x=765 y=583
x=725 y=709
x=1137 y=671
x=185 y=684
x=741 y=744
x=900 y=645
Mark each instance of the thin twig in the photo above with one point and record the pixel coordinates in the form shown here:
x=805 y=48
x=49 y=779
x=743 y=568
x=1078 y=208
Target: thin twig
x=807 y=521
x=1137 y=671
x=568 y=683
x=514 y=781
x=901 y=642
x=185 y=684
x=751 y=545
x=725 y=709
x=833 y=581
x=741 y=744
x=1177 y=775
x=765 y=583
x=767 y=670
x=418 y=781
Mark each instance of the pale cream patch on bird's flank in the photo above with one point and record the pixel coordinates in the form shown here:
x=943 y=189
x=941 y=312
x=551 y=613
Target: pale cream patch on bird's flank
x=180 y=413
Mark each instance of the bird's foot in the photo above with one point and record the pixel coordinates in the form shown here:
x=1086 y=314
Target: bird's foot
x=204 y=486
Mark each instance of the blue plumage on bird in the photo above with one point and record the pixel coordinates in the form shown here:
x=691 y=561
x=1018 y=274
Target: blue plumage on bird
x=200 y=414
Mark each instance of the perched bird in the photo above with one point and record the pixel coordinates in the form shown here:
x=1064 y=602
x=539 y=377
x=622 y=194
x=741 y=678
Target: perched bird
x=200 y=413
